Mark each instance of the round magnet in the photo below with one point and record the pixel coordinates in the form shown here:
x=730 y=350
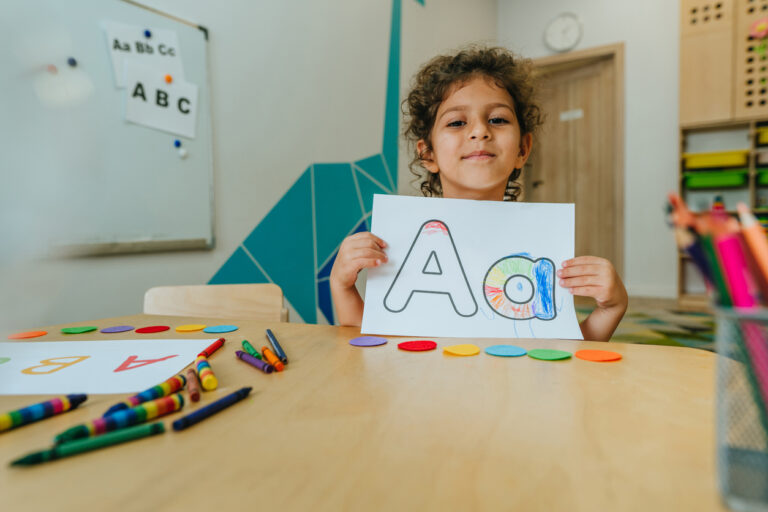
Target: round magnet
x=72 y=62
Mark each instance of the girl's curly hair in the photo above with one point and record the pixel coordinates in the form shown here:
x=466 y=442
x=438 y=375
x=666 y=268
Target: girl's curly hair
x=432 y=83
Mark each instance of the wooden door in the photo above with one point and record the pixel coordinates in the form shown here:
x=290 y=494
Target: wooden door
x=575 y=155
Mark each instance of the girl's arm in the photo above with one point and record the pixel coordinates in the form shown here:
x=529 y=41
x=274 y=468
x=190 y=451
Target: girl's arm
x=358 y=251
x=595 y=277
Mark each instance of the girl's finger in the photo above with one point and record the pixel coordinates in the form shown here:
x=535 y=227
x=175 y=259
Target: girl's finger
x=585 y=291
x=573 y=282
x=584 y=260
x=581 y=270
x=368 y=253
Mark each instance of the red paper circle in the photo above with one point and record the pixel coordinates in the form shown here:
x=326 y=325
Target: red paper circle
x=152 y=328
x=417 y=345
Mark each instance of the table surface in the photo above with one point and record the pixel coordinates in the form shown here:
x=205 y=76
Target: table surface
x=349 y=428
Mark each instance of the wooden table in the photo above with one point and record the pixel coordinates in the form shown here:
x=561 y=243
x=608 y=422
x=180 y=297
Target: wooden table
x=348 y=428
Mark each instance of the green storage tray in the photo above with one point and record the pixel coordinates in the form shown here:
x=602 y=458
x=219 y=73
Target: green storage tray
x=762 y=178
x=725 y=179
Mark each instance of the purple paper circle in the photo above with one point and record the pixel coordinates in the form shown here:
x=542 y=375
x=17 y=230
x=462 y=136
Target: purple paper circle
x=367 y=341
x=117 y=328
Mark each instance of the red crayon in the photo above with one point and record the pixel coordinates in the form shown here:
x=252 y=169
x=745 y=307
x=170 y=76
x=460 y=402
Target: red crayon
x=213 y=347
x=193 y=385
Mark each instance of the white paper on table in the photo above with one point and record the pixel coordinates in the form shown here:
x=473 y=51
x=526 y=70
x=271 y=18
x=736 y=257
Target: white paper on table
x=150 y=101
x=440 y=254
x=159 y=52
x=97 y=372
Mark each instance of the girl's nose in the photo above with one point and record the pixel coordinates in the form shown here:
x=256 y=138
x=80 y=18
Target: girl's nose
x=479 y=131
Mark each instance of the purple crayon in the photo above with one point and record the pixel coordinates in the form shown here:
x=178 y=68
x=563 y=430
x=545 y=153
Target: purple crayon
x=258 y=363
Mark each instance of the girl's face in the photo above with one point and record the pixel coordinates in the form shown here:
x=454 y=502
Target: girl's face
x=476 y=142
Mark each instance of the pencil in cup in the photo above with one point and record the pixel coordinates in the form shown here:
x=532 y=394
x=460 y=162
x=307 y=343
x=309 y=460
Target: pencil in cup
x=205 y=373
x=165 y=388
x=122 y=419
x=90 y=443
x=209 y=410
x=37 y=412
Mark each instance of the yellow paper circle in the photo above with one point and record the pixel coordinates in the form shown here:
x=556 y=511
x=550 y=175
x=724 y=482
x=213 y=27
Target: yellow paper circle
x=190 y=328
x=466 y=349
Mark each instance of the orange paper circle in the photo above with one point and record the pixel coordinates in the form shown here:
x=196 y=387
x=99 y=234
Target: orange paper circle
x=598 y=356
x=27 y=335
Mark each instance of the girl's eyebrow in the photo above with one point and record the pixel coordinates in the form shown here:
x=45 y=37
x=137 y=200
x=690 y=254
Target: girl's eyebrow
x=488 y=106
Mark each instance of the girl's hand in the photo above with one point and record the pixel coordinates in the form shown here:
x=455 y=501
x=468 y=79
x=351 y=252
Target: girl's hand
x=594 y=277
x=358 y=251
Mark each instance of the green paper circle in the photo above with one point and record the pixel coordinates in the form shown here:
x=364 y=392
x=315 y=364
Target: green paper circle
x=78 y=330
x=548 y=354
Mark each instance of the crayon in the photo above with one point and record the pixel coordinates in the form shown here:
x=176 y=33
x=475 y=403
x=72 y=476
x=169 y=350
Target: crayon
x=193 y=385
x=258 y=363
x=213 y=347
x=205 y=373
x=122 y=419
x=91 y=443
x=210 y=410
x=276 y=348
x=251 y=349
x=37 y=412
x=165 y=388
x=272 y=359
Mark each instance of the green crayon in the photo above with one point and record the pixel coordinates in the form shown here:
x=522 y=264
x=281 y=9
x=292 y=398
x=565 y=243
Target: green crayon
x=249 y=348
x=90 y=443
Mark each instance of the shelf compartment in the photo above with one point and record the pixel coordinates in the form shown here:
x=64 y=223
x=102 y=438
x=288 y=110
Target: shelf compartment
x=724 y=179
x=738 y=158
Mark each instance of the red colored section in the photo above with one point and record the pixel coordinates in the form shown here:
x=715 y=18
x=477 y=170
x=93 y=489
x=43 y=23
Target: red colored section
x=152 y=328
x=433 y=227
x=417 y=345
x=133 y=362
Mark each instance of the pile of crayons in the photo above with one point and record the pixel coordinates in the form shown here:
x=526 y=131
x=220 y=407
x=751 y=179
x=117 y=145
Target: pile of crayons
x=127 y=420
x=267 y=360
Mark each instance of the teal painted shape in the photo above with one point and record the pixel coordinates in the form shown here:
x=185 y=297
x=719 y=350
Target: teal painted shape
x=337 y=210
x=324 y=300
x=374 y=166
x=239 y=268
x=325 y=272
x=392 y=108
x=367 y=189
x=283 y=244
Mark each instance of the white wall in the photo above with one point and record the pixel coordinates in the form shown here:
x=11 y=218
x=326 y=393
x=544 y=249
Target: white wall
x=650 y=32
x=292 y=83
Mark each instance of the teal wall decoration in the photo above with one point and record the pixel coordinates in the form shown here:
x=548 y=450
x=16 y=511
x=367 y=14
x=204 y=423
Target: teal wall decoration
x=327 y=203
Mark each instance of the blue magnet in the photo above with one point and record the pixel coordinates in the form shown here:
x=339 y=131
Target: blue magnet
x=147 y=33
x=177 y=143
x=72 y=62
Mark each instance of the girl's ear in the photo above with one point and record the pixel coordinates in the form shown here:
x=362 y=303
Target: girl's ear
x=526 y=143
x=426 y=156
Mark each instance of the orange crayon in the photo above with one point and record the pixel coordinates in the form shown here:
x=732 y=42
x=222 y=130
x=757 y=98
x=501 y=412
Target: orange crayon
x=193 y=385
x=272 y=359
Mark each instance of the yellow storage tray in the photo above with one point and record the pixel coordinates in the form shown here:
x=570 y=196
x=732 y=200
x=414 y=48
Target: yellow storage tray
x=720 y=159
x=762 y=135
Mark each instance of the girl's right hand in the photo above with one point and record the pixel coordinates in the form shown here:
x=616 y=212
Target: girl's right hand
x=358 y=251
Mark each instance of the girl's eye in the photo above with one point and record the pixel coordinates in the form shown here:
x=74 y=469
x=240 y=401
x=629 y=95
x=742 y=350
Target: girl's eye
x=498 y=120
x=456 y=123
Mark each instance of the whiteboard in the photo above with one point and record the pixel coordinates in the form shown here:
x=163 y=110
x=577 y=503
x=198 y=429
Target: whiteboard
x=105 y=185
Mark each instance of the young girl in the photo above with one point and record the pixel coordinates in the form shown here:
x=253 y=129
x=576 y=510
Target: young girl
x=472 y=117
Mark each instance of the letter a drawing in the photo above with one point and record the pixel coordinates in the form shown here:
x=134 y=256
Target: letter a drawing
x=432 y=265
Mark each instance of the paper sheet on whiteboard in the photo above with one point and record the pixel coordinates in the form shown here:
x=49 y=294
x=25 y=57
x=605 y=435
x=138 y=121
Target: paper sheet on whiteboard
x=461 y=268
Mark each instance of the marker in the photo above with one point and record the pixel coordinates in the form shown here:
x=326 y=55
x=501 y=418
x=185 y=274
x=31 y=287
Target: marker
x=258 y=363
x=278 y=350
x=122 y=419
x=251 y=350
x=37 y=412
x=165 y=388
x=210 y=410
x=272 y=359
x=91 y=443
x=193 y=385
x=205 y=373
x=213 y=347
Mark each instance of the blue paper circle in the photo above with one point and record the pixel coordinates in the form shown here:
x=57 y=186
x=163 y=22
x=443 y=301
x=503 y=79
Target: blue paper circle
x=506 y=351
x=220 y=328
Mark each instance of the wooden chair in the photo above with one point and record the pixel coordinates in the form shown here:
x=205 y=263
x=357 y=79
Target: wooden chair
x=252 y=301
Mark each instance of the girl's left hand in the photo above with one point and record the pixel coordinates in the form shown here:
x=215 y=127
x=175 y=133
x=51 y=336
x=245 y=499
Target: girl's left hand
x=594 y=277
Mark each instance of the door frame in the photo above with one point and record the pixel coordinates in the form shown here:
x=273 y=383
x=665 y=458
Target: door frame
x=576 y=59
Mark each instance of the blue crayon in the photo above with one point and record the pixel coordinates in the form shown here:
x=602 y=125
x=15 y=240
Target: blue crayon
x=210 y=410
x=276 y=347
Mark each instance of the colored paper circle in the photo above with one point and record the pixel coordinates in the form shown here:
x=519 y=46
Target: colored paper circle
x=506 y=351
x=417 y=345
x=220 y=328
x=190 y=328
x=367 y=341
x=27 y=335
x=117 y=328
x=78 y=330
x=598 y=356
x=465 y=349
x=152 y=328
x=548 y=354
